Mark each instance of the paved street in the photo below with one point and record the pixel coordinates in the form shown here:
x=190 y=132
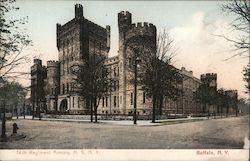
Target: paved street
x=216 y=133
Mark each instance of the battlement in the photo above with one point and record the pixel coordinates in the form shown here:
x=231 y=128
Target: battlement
x=142 y=24
x=38 y=61
x=209 y=75
x=124 y=20
x=141 y=29
x=52 y=63
x=78 y=11
x=232 y=93
x=124 y=14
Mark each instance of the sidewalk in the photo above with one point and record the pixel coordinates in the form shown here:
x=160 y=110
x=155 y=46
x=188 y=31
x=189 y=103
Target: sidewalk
x=116 y=122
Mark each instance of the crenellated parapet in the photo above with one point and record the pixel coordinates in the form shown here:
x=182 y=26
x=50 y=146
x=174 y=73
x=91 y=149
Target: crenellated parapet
x=142 y=30
x=210 y=79
x=37 y=62
x=124 y=20
x=209 y=76
x=78 y=11
x=52 y=63
x=232 y=93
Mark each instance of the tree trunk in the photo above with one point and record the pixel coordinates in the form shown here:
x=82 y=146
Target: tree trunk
x=227 y=110
x=208 y=111
x=91 y=109
x=95 y=114
x=221 y=111
x=24 y=109
x=95 y=106
x=236 y=110
x=33 y=110
x=153 y=113
x=161 y=104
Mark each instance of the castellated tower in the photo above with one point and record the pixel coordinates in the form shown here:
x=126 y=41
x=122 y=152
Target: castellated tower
x=141 y=36
x=77 y=40
x=38 y=77
x=52 y=85
x=209 y=79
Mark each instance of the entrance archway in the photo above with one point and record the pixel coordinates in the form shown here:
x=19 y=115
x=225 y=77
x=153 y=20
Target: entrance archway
x=63 y=105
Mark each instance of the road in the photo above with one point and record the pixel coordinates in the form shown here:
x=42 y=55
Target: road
x=209 y=134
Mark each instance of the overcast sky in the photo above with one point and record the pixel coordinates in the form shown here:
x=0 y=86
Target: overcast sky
x=192 y=24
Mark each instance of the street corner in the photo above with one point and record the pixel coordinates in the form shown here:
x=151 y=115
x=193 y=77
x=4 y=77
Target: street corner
x=13 y=137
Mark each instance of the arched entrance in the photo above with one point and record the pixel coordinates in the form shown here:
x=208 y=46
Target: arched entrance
x=63 y=105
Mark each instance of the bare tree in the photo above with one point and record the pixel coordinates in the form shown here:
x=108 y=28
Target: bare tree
x=158 y=77
x=92 y=81
x=13 y=40
x=241 y=10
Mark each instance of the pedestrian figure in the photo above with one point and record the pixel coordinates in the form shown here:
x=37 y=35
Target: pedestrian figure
x=15 y=128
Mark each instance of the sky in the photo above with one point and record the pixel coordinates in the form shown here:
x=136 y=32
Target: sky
x=192 y=24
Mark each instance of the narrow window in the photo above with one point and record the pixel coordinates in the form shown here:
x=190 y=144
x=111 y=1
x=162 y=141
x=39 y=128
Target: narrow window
x=131 y=98
x=73 y=102
x=102 y=101
x=78 y=102
x=114 y=101
x=106 y=101
x=63 y=89
x=118 y=101
x=114 y=71
x=114 y=85
x=144 y=97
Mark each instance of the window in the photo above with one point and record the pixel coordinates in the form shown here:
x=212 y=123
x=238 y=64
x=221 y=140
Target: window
x=144 y=97
x=67 y=88
x=114 y=101
x=114 y=71
x=63 y=89
x=102 y=101
x=73 y=102
x=78 y=102
x=118 y=101
x=114 y=85
x=131 y=98
x=106 y=101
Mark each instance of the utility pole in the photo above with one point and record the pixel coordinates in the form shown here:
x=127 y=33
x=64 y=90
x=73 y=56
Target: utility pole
x=136 y=60
x=3 y=135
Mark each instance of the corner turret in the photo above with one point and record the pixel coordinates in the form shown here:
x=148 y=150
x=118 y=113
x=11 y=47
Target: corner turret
x=209 y=79
x=78 y=11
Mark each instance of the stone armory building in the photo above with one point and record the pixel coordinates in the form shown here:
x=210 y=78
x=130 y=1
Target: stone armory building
x=53 y=85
